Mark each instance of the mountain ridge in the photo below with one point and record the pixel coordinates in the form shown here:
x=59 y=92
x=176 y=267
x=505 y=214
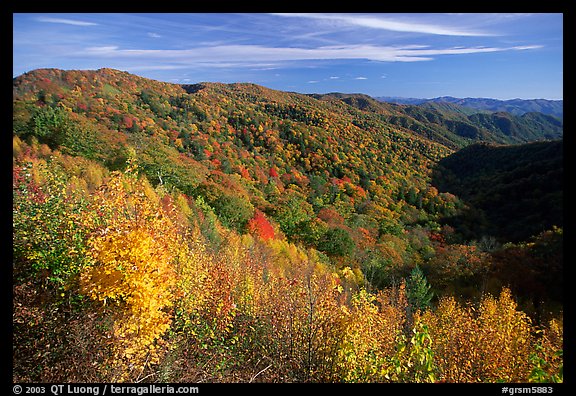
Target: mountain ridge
x=514 y=106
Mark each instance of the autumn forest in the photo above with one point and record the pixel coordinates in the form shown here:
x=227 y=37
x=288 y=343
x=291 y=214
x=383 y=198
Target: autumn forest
x=234 y=233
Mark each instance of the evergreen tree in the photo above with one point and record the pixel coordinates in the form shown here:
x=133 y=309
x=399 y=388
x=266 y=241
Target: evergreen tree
x=418 y=290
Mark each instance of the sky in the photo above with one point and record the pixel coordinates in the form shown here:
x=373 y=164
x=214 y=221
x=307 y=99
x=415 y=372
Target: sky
x=502 y=56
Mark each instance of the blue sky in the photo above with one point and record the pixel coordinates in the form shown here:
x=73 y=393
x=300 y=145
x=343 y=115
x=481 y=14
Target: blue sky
x=501 y=56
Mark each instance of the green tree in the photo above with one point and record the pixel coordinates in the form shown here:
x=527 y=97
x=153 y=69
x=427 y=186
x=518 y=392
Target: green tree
x=337 y=242
x=292 y=212
x=51 y=125
x=233 y=210
x=418 y=290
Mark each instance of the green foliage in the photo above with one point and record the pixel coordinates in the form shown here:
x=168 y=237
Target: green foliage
x=414 y=359
x=51 y=125
x=49 y=238
x=547 y=356
x=293 y=211
x=337 y=242
x=418 y=290
x=233 y=211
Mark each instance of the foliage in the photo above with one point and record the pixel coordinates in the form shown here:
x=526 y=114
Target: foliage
x=260 y=226
x=414 y=359
x=547 y=357
x=517 y=189
x=488 y=343
x=336 y=242
x=228 y=232
x=49 y=237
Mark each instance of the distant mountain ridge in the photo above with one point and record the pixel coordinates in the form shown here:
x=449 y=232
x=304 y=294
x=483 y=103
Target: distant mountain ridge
x=513 y=106
x=454 y=125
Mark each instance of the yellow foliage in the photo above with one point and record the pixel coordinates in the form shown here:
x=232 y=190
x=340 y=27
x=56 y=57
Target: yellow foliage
x=372 y=326
x=134 y=252
x=484 y=345
x=505 y=336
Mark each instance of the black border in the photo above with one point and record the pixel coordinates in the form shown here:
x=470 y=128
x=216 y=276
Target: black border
x=566 y=7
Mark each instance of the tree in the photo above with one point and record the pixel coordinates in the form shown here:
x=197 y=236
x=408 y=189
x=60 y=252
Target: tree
x=133 y=252
x=51 y=125
x=337 y=242
x=418 y=290
x=260 y=226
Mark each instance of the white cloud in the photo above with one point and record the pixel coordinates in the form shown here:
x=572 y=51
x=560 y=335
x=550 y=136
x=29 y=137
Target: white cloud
x=395 y=25
x=361 y=78
x=154 y=35
x=102 y=50
x=66 y=21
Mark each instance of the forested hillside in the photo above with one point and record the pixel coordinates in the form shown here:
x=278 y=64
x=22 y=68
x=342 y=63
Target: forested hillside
x=230 y=232
x=518 y=189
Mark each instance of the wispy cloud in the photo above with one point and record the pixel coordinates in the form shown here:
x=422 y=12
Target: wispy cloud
x=361 y=78
x=65 y=21
x=154 y=35
x=385 y=23
x=137 y=68
x=257 y=53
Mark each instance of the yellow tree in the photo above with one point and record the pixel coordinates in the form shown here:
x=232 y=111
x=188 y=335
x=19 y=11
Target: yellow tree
x=133 y=250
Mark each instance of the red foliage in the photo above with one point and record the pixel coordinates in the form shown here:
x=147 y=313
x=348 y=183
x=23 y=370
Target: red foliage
x=337 y=182
x=330 y=217
x=437 y=237
x=128 y=122
x=272 y=172
x=167 y=203
x=260 y=226
x=17 y=177
x=33 y=190
x=360 y=192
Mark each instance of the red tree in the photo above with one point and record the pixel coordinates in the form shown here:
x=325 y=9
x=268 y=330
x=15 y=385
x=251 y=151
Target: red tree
x=260 y=226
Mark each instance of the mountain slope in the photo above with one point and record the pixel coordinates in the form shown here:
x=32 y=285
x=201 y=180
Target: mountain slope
x=248 y=137
x=194 y=137
x=517 y=189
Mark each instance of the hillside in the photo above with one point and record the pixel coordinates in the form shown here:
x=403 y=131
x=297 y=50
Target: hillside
x=234 y=233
